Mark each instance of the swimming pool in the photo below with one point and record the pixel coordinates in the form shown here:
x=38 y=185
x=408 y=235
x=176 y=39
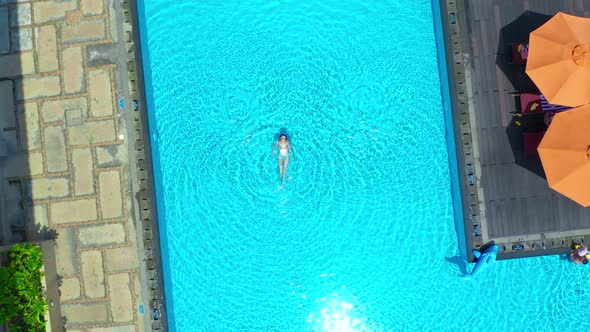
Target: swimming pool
x=362 y=237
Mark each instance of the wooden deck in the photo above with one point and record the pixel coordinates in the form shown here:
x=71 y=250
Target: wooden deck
x=509 y=201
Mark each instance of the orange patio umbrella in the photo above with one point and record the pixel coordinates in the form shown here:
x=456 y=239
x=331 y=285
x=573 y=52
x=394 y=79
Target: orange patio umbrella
x=565 y=154
x=559 y=59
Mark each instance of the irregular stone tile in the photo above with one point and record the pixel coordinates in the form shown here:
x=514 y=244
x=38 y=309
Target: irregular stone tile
x=36 y=87
x=69 y=289
x=103 y=234
x=91 y=132
x=44 y=188
x=73 y=17
x=37 y=215
x=121 y=300
x=113 y=24
x=17 y=64
x=83 y=31
x=4 y=35
x=7 y=116
x=10 y=141
x=54 y=110
x=111 y=202
x=24 y=164
x=112 y=155
x=91 y=7
x=74 y=211
x=28 y=126
x=20 y=15
x=48 y=11
x=35 y=163
x=55 y=148
x=121 y=259
x=99 y=87
x=66 y=252
x=83 y=170
x=87 y=313
x=73 y=70
x=122 y=328
x=93 y=274
x=22 y=39
x=102 y=54
x=13 y=211
x=47 y=48
x=74 y=117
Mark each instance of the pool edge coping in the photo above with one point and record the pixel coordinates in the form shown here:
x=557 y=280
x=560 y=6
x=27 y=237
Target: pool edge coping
x=144 y=190
x=457 y=75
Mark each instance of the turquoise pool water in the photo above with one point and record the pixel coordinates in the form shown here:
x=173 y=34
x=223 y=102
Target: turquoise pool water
x=362 y=237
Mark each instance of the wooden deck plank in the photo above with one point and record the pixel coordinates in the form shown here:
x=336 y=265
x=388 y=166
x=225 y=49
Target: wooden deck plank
x=579 y=7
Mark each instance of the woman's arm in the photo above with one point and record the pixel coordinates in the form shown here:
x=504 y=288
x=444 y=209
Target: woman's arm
x=273 y=147
x=290 y=149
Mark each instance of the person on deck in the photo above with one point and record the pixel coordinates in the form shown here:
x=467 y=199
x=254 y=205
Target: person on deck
x=578 y=255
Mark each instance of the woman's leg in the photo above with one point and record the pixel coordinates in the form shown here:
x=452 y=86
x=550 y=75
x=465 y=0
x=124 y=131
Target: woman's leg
x=285 y=164
x=280 y=168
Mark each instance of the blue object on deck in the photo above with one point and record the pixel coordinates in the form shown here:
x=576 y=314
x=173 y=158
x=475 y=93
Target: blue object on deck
x=484 y=259
x=518 y=247
x=121 y=103
x=135 y=105
x=156 y=314
x=141 y=309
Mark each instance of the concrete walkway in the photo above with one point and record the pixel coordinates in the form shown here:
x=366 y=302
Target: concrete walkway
x=65 y=158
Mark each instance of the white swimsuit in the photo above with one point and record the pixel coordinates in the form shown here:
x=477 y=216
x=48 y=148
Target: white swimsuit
x=283 y=152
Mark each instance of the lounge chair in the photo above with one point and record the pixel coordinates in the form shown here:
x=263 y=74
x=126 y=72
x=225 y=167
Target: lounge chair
x=530 y=103
x=534 y=103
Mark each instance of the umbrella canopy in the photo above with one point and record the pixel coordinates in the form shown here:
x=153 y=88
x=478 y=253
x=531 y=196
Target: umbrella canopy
x=565 y=154
x=559 y=59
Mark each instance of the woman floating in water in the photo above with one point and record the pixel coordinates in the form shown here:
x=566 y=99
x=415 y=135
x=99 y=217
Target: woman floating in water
x=284 y=149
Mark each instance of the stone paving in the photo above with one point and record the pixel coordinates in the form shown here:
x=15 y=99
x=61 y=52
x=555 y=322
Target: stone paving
x=65 y=159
